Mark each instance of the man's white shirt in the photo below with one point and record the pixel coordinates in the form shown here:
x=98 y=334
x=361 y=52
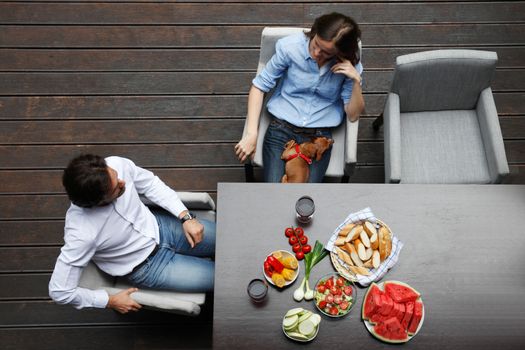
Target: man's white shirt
x=117 y=237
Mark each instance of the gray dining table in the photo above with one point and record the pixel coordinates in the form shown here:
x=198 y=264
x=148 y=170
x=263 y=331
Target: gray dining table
x=464 y=251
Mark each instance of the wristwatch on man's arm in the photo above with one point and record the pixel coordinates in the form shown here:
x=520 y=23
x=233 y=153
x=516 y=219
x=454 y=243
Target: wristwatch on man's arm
x=189 y=215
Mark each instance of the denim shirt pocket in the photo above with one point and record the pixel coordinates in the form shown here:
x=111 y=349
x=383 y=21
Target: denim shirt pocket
x=330 y=88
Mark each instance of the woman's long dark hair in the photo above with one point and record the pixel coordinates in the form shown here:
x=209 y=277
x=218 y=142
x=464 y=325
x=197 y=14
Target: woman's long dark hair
x=340 y=29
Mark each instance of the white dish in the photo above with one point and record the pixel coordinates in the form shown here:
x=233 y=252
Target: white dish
x=302 y=340
x=284 y=253
x=370 y=326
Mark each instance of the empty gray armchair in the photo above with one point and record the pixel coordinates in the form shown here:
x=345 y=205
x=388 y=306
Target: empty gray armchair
x=440 y=120
x=176 y=302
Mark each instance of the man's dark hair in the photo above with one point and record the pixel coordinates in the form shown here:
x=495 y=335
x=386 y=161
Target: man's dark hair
x=86 y=180
x=342 y=30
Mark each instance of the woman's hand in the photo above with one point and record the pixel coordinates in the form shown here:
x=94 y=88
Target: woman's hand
x=246 y=147
x=346 y=67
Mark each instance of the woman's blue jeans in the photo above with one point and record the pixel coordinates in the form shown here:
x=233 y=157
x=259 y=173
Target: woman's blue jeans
x=277 y=135
x=177 y=266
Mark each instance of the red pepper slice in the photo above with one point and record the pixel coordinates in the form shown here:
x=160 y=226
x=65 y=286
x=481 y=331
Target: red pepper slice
x=268 y=269
x=275 y=264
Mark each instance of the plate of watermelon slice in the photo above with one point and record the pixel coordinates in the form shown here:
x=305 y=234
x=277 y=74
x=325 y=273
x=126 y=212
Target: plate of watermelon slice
x=393 y=311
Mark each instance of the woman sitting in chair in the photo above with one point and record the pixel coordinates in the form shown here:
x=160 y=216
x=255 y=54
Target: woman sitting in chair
x=321 y=81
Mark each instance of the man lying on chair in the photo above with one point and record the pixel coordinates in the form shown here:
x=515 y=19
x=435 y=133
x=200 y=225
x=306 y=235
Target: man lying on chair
x=108 y=224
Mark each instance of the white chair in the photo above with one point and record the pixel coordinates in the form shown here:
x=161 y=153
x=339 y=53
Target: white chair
x=344 y=149
x=181 y=303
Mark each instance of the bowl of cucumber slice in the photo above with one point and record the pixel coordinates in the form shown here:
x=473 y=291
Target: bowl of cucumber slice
x=301 y=325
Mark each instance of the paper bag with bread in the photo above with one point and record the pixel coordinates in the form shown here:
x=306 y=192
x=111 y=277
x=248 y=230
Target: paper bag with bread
x=363 y=248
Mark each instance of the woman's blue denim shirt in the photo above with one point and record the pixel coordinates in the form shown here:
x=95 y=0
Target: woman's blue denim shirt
x=307 y=96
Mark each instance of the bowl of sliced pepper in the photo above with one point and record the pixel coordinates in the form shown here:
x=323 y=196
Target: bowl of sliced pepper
x=281 y=268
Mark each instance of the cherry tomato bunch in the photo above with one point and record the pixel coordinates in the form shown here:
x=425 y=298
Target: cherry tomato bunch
x=298 y=241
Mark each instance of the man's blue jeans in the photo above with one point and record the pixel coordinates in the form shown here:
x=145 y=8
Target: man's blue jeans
x=177 y=266
x=277 y=135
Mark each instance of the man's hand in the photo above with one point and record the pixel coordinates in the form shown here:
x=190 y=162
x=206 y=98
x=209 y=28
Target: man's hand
x=122 y=302
x=194 y=231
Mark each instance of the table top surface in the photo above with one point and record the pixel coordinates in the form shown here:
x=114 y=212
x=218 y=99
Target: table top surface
x=463 y=251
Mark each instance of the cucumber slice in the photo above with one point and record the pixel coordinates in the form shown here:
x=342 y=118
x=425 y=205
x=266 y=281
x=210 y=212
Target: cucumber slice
x=305 y=316
x=298 y=336
x=307 y=328
x=316 y=319
x=290 y=322
x=295 y=311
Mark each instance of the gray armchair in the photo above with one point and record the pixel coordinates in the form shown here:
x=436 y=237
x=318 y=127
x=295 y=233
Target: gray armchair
x=441 y=123
x=176 y=302
x=344 y=149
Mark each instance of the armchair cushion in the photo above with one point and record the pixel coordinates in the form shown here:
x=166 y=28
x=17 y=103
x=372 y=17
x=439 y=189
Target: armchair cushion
x=442 y=147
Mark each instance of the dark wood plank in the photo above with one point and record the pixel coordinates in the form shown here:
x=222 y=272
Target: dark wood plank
x=39 y=207
x=130 y=36
x=460 y=35
x=157 y=13
x=133 y=131
x=450 y=12
x=128 y=60
x=192 y=336
x=280 y=14
x=381 y=35
x=147 y=156
x=24 y=286
x=147 y=83
x=121 y=107
x=516 y=176
x=36 y=313
x=180 y=179
x=28 y=259
x=31 y=233
x=154 y=83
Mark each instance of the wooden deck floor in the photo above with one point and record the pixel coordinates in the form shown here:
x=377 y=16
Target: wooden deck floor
x=165 y=83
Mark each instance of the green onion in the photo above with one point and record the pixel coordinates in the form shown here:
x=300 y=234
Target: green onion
x=310 y=260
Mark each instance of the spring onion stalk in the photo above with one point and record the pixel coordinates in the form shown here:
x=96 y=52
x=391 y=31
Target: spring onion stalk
x=309 y=294
x=298 y=295
x=310 y=260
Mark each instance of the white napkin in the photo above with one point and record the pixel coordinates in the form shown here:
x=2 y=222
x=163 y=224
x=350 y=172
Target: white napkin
x=387 y=264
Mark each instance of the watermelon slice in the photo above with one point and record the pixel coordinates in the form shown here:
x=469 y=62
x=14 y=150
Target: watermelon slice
x=409 y=311
x=401 y=292
x=378 y=318
x=388 y=304
x=396 y=309
x=401 y=312
x=418 y=313
x=391 y=331
x=372 y=301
